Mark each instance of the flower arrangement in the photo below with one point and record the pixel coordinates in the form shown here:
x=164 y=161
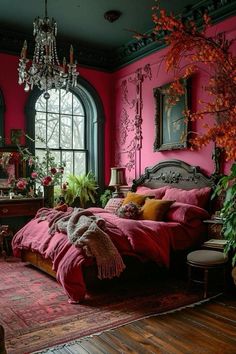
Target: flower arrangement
x=192 y=49
x=45 y=171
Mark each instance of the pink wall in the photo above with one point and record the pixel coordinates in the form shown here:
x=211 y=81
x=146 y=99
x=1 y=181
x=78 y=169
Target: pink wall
x=123 y=97
x=129 y=94
x=15 y=99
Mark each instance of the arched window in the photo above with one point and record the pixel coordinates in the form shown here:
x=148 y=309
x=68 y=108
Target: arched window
x=71 y=125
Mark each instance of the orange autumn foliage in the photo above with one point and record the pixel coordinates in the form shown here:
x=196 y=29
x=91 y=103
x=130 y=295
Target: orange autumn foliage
x=191 y=49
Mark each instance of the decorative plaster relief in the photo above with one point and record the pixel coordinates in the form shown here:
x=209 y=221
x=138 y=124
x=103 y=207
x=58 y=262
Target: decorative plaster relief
x=129 y=121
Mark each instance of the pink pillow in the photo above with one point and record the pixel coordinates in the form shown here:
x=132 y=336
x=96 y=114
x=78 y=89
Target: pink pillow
x=198 y=197
x=113 y=205
x=158 y=193
x=185 y=213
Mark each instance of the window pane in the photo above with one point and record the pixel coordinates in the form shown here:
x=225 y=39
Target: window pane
x=41 y=104
x=77 y=106
x=78 y=133
x=57 y=156
x=40 y=130
x=66 y=102
x=80 y=163
x=40 y=154
x=60 y=122
x=67 y=156
x=66 y=132
x=53 y=101
x=53 y=131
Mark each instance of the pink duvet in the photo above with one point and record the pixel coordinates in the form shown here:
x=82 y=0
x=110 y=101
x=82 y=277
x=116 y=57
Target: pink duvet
x=147 y=240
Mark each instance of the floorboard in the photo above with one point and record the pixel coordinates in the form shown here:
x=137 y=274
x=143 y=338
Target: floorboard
x=209 y=328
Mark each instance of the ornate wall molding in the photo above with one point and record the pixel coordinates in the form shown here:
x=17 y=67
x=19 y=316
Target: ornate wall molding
x=11 y=42
x=136 y=49
x=130 y=120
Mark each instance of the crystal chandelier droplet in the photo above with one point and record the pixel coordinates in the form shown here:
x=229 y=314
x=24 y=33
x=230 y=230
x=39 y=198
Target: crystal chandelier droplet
x=45 y=70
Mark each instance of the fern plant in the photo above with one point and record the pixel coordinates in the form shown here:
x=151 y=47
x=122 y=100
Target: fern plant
x=82 y=187
x=227 y=185
x=105 y=197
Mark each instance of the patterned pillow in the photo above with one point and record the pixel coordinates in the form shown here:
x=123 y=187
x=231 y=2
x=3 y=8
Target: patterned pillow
x=113 y=205
x=129 y=211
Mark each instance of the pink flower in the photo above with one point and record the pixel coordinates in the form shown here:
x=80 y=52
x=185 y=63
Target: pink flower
x=46 y=181
x=61 y=169
x=53 y=170
x=21 y=184
x=30 y=161
x=34 y=175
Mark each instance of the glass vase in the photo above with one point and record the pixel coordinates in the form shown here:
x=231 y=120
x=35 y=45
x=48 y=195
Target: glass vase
x=48 y=196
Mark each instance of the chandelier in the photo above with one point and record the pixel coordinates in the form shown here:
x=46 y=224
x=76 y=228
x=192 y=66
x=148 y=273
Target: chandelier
x=45 y=70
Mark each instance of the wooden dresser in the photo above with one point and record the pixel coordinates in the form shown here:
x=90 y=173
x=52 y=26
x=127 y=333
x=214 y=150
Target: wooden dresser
x=14 y=214
x=24 y=207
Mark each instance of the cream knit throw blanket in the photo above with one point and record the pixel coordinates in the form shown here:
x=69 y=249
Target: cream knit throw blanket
x=87 y=231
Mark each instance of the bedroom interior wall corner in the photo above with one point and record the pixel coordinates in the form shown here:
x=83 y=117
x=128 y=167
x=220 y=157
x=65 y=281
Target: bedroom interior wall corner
x=125 y=113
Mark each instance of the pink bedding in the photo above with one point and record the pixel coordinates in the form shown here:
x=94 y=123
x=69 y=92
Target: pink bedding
x=147 y=240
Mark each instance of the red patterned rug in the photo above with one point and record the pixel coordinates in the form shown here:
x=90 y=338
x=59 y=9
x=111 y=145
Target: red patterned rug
x=36 y=315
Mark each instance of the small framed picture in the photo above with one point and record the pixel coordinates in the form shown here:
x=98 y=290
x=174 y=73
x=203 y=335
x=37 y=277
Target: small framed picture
x=171 y=127
x=16 y=136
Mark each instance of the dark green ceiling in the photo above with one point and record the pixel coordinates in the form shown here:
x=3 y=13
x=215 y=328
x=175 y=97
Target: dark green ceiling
x=97 y=42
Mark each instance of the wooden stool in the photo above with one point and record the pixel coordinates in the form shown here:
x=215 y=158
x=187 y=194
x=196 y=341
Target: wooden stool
x=205 y=260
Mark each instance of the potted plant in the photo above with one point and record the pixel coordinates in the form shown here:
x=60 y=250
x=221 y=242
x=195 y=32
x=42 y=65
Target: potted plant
x=105 y=197
x=227 y=185
x=82 y=188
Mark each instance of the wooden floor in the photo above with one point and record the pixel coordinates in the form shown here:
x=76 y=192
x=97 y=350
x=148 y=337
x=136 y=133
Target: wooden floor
x=209 y=328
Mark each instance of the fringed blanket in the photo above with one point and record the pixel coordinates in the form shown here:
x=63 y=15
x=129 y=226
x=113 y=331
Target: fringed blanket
x=87 y=231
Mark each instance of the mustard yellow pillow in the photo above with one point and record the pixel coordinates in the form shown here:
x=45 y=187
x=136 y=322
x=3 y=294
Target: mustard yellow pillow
x=134 y=198
x=155 y=209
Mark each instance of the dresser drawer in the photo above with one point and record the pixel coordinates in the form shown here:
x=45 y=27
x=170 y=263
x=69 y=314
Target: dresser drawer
x=20 y=208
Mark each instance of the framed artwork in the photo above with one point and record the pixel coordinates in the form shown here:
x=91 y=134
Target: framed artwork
x=16 y=136
x=170 y=125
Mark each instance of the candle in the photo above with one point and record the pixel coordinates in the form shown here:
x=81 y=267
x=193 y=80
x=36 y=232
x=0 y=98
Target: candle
x=71 y=54
x=64 y=64
x=23 y=51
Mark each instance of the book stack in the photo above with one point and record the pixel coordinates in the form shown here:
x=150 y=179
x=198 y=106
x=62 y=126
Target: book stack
x=215 y=243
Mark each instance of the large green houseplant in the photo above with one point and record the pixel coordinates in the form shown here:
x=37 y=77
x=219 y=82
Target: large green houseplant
x=227 y=185
x=81 y=188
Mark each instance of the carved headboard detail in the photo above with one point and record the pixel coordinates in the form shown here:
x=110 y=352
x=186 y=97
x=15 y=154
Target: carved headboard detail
x=175 y=173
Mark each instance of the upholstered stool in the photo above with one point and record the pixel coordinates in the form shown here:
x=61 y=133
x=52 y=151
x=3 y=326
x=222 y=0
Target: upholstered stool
x=206 y=260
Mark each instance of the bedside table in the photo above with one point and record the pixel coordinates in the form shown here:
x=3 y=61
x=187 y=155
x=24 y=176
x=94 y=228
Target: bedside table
x=214 y=228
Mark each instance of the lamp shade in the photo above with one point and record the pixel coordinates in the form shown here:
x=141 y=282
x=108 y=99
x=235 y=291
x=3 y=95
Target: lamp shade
x=117 y=176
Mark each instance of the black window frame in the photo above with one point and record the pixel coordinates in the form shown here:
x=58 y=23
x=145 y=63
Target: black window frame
x=94 y=112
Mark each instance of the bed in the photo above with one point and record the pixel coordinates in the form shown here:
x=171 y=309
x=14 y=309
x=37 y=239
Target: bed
x=124 y=245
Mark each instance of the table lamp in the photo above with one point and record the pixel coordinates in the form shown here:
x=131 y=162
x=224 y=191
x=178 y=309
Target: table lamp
x=117 y=179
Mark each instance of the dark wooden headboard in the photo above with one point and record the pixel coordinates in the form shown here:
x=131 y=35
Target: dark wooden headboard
x=175 y=173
